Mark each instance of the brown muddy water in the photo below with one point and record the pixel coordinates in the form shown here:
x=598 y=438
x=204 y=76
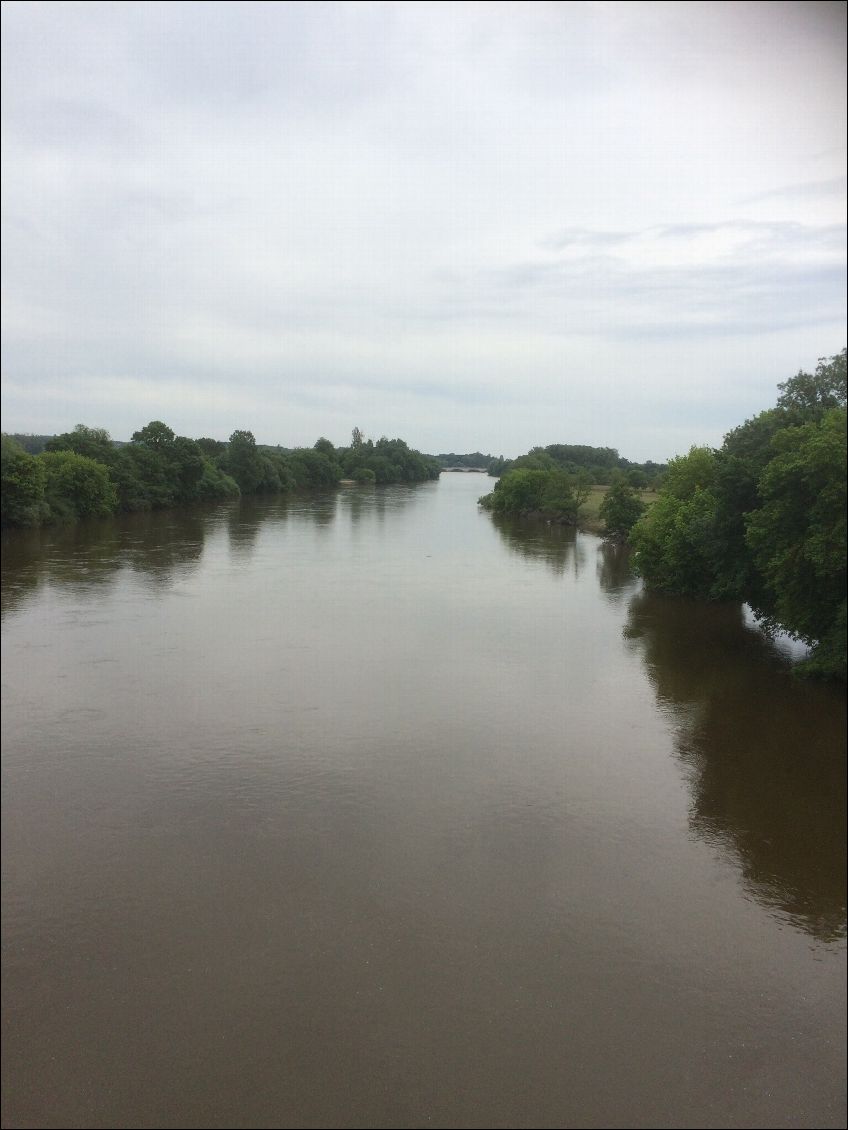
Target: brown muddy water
x=363 y=810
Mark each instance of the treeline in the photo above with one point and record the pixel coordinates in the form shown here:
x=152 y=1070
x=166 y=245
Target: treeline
x=474 y=460
x=603 y=465
x=85 y=474
x=763 y=519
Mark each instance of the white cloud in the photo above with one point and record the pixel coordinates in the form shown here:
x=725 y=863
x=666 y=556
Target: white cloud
x=473 y=219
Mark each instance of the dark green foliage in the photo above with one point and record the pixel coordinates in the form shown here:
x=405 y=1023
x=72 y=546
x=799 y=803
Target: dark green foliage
x=809 y=396
x=244 y=463
x=23 y=483
x=527 y=491
x=142 y=479
x=186 y=464
x=621 y=509
x=763 y=519
x=391 y=461
x=674 y=543
x=475 y=460
x=31 y=444
x=94 y=443
x=211 y=448
x=77 y=487
x=155 y=435
x=637 y=479
x=214 y=485
x=160 y=469
x=599 y=463
x=798 y=535
x=583 y=456
x=536 y=459
x=313 y=467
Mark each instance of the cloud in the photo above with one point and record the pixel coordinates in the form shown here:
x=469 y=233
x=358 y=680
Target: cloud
x=686 y=279
x=807 y=191
x=472 y=219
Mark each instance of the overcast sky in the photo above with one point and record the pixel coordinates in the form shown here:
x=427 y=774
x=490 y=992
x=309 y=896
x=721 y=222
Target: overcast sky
x=474 y=226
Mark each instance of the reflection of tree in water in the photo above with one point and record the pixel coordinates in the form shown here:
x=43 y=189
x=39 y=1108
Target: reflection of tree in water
x=536 y=540
x=322 y=509
x=156 y=547
x=615 y=572
x=313 y=508
x=766 y=753
x=23 y=575
x=244 y=520
x=364 y=499
x=164 y=547
x=355 y=502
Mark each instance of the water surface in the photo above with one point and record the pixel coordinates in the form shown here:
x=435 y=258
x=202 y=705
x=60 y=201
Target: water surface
x=366 y=810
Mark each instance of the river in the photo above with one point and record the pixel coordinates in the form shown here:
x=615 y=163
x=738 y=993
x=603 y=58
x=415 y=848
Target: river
x=367 y=810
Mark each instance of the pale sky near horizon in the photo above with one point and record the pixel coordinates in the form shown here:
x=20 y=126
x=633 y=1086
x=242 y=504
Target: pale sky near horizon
x=473 y=226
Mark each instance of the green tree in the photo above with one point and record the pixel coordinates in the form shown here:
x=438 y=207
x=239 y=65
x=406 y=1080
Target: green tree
x=522 y=490
x=211 y=448
x=186 y=462
x=77 y=487
x=94 y=443
x=811 y=395
x=214 y=484
x=155 y=435
x=22 y=484
x=621 y=509
x=763 y=519
x=313 y=468
x=244 y=462
x=798 y=536
x=675 y=540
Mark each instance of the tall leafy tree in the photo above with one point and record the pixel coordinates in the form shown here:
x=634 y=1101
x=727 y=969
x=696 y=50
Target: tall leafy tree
x=810 y=395
x=244 y=462
x=155 y=435
x=95 y=443
x=620 y=509
x=77 y=487
x=798 y=534
x=23 y=479
x=763 y=519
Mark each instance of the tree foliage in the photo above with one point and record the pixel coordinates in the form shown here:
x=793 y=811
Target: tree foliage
x=390 y=460
x=22 y=484
x=762 y=520
x=161 y=469
x=549 y=494
x=620 y=509
x=601 y=464
x=77 y=487
x=798 y=535
x=244 y=462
